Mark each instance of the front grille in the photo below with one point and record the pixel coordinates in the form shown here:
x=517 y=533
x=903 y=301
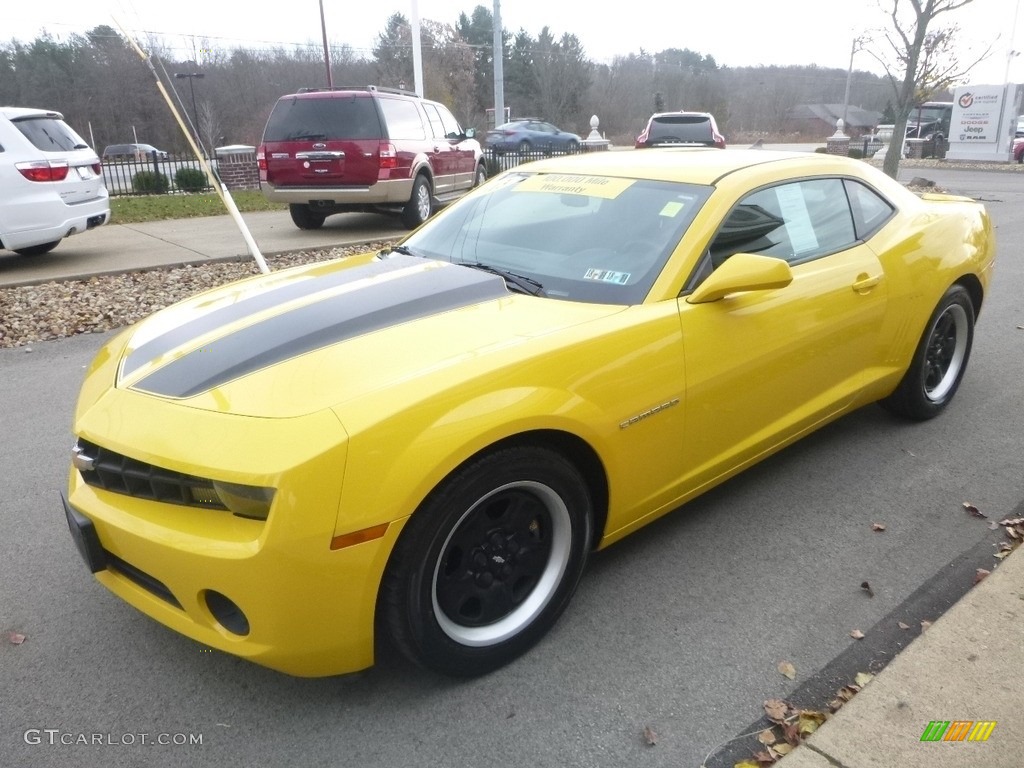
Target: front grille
x=102 y=468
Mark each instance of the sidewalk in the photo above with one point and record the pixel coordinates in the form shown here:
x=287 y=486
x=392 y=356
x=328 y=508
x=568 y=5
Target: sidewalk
x=965 y=667
x=119 y=248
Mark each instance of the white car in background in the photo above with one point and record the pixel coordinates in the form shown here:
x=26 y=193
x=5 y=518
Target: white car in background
x=50 y=182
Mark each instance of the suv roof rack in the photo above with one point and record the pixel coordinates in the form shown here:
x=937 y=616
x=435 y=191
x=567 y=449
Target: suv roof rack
x=383 y=89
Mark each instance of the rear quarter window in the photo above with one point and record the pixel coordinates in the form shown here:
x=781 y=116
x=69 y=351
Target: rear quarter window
x=323 y=119
x=403 y=119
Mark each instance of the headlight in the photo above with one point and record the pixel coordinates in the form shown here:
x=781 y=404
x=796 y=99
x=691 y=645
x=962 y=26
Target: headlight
x=245 y=500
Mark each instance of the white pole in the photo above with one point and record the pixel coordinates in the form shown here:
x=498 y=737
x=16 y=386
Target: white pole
x=417 y=56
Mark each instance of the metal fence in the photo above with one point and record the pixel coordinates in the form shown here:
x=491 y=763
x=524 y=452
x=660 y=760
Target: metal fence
x=155 y=173
x=501 y=161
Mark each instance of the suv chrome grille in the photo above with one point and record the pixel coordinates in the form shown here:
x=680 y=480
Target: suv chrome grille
x=102 y=468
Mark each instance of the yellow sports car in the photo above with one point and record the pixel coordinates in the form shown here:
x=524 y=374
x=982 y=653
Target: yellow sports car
x=423 y=445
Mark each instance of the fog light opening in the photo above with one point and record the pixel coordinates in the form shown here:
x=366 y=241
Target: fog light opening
x=227 y=614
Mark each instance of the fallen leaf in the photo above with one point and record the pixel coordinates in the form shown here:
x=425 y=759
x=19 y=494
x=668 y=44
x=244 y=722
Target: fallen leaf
x=863 y=678
x=650 y=737
x=973 y=510
x=856 y=634
x=782 y=749
x=764 y=758
x=776 y=709
x=835 y=704
x=746 y=764
x=791 y=733
x=15 y=638
x=925 y=624
x=787 y=670
x=845 y=693
x=1002 y=553
x=878 y=527
x=767 y=736
x=901 y=625
x=867 y=588
x=980 y=574
x=810 y=721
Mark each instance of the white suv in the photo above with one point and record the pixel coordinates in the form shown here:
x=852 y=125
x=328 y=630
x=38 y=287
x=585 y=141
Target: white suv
x=50 y=182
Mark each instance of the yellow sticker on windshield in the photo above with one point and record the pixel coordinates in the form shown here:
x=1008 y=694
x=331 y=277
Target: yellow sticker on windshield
x=573 y=184
x=672 y=208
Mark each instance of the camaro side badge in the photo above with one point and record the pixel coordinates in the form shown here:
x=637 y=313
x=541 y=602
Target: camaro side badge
x=649 y=412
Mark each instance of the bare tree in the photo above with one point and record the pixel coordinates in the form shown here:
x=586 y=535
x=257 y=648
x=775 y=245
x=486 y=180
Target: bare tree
x=920 y=61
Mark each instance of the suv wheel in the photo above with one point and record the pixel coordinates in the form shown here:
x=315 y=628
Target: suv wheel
x=37 y=250
x=304 y=217
x=420 y=205
x=481 y=175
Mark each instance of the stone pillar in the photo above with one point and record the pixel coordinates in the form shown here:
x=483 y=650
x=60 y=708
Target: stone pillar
x=594 y=141
x=838 y=143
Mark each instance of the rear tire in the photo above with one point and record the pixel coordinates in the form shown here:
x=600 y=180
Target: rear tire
x=939 y=362
x=488 y=563
x=481 y=175
x=37 y=250
x=304 y=217
x=420 y=205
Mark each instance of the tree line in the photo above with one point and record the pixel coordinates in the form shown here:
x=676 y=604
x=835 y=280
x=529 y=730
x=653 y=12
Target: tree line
x=107 y=92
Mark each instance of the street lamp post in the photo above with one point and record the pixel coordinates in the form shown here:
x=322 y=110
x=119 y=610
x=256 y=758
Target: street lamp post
x=195 y=112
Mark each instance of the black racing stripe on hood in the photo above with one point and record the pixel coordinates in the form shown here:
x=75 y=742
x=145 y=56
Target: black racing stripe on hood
x=310 y=327
x=231 y=313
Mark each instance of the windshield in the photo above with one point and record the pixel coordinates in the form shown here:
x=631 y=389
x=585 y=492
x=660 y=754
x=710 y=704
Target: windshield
x=582 y=238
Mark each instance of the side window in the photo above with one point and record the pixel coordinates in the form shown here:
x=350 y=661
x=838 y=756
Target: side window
x=797 y=222
x=452 y=130
x=870 y=211
x=436 y=126
x=403 y=119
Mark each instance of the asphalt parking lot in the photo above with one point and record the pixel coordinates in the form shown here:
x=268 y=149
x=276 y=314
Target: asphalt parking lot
x=679 y=629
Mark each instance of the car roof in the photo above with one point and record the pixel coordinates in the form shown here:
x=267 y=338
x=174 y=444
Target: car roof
x=696 y=165
x=13 y=113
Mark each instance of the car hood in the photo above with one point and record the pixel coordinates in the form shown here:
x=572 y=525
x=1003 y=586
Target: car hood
x=299 y=341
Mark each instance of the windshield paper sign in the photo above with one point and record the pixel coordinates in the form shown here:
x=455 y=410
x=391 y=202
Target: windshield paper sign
x=975 y=117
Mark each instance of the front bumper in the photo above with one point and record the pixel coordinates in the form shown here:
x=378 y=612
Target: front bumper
x=272 y=591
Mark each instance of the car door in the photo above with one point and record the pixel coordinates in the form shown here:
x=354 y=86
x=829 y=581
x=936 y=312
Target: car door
x=463 y=150
x=765 y=366
x=442 y=157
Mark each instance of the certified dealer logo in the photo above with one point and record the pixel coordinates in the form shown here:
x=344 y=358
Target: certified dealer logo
x=966 y=100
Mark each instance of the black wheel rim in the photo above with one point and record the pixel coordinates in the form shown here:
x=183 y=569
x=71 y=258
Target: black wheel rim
x=501 y=564
x=946 y=352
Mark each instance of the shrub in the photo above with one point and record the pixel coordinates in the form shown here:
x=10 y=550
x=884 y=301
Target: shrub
x=190 y=180
x=150 y=182
x=856 y=153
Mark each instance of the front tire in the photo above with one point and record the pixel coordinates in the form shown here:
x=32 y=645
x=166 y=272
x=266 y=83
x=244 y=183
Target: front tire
x=940 y=360
x=488 y=563
x=481 y=175
x=420 y=205
x=304 y=218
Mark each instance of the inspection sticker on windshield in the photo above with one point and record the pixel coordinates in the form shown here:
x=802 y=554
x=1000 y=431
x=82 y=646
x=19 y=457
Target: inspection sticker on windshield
x=607 y=276
x=573 y=184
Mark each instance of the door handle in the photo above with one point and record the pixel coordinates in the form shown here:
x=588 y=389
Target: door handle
x=866 y=282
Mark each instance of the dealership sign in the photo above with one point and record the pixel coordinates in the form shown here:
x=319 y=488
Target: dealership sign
x=976 y=114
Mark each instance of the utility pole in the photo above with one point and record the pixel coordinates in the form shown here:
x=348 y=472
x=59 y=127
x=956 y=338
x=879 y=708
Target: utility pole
x=327 y=51
x=499 y=68
x=195 y=112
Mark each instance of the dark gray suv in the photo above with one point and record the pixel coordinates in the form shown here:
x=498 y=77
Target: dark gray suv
x=365 y=149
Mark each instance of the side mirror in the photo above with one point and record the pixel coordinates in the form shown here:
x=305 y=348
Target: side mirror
x=742 y=272
x=470 y=133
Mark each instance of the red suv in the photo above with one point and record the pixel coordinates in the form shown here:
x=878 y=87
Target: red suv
x=365 y=149
x=694 y=129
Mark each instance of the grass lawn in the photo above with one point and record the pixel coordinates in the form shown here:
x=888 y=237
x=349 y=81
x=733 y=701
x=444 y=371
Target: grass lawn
x=130 y=209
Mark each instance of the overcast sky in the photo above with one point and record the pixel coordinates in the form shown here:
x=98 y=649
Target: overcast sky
x=736 y=33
